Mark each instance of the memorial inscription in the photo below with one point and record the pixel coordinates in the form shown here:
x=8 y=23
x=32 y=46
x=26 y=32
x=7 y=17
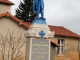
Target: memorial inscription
x=40 y=49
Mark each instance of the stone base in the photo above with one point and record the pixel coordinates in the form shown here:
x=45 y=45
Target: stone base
x=39 y=30
x=38 y=49
x=38 y=41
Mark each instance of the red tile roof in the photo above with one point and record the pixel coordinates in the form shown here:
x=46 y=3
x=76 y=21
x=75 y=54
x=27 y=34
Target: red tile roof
x=6 y=2
x=59 y=30
x=7 y=14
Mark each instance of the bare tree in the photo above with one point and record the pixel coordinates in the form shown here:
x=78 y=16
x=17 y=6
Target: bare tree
x=12 y=46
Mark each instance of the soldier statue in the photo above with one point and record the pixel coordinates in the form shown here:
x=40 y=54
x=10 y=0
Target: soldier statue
x=38 y=7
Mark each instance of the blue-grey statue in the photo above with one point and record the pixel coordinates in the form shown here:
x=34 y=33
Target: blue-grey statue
x=38 y=7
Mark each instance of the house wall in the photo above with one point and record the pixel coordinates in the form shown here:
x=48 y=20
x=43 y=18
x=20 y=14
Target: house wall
x=52 y=52
x=70 y=46
x=8 y=25
x=5 y=8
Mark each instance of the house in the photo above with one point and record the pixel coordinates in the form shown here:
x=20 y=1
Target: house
x=66 y=40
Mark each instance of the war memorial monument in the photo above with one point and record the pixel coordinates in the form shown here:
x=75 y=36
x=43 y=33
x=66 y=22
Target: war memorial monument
x=38 y=36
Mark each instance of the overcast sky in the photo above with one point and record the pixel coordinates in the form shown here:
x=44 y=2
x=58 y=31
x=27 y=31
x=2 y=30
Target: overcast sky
x=64 y=13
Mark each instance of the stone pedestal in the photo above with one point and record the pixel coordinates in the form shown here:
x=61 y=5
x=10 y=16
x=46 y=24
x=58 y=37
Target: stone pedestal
x=38 y=42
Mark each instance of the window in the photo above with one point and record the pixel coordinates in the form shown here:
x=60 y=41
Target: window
x=60 y=49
